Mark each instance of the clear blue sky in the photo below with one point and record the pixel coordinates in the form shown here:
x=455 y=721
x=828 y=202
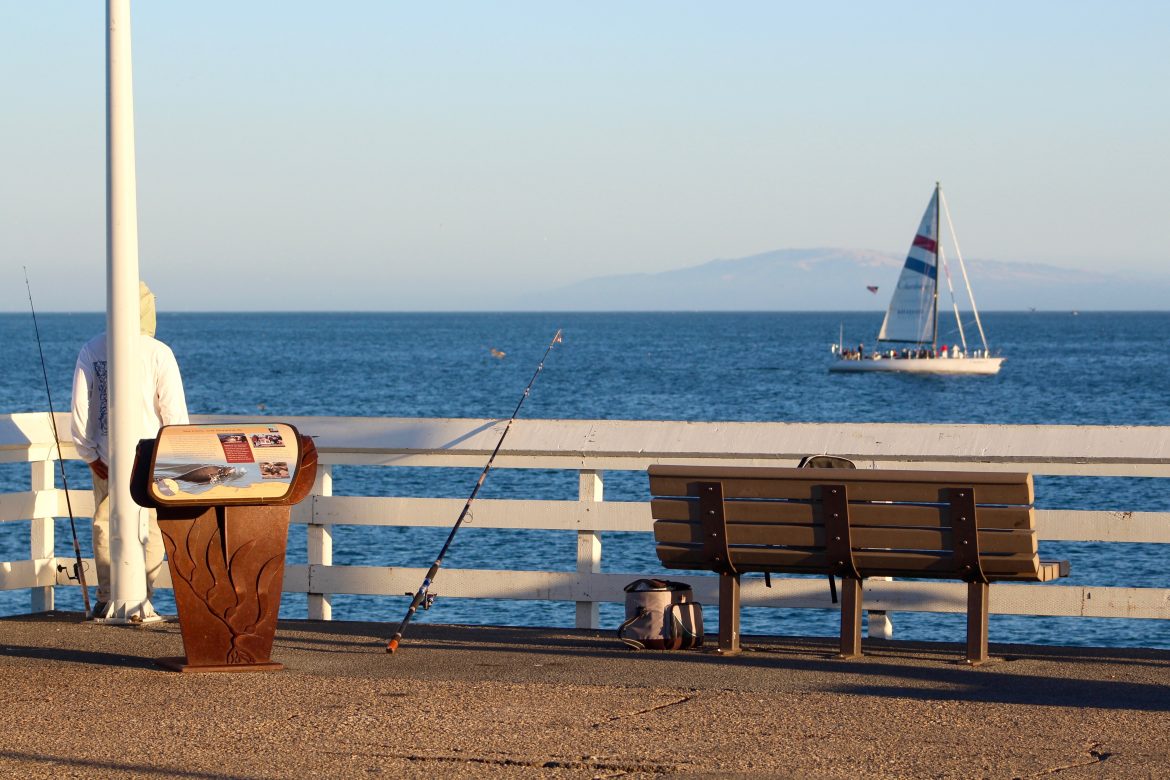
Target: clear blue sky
x=386 y=155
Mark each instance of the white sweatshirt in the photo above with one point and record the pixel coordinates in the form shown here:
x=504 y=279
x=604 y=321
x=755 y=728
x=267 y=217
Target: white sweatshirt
x=162 y=401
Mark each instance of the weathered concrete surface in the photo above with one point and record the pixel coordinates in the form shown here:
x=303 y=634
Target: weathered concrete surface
x=84 y=700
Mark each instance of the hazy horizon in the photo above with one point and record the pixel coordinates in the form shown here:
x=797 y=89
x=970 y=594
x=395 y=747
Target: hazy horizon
x=394 y=157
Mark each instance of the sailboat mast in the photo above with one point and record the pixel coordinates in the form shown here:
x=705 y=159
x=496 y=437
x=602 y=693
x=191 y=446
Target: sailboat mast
x=937 y=244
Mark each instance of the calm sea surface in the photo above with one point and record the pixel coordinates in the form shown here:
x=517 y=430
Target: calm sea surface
x=1092 y=368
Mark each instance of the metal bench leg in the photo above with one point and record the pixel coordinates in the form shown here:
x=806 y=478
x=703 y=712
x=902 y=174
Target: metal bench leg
x=729 y=614
x=850 y=617
x=977 y=623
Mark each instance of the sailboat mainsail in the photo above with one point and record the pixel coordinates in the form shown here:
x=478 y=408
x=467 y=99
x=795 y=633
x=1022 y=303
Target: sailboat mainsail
x=913 y=313
x=911 y=322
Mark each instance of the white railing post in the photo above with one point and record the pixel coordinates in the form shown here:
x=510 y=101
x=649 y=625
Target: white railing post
x=877 y=622
x=42 y=541
x=320 y=544
x=590 y=490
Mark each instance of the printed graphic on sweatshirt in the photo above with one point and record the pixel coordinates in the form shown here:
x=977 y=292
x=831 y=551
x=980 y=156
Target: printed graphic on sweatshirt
x=102 y=388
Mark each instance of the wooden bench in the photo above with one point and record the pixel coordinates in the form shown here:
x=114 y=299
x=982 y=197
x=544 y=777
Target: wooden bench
x=978 y=527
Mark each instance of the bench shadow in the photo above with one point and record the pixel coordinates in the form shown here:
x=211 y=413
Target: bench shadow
x=922 y=671
x=1033 y=675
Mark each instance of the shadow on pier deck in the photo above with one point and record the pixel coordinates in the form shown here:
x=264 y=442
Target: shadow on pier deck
x=83 y=700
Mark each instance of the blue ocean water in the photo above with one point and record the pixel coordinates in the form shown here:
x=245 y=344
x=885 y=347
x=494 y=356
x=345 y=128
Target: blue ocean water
x=1062 y=368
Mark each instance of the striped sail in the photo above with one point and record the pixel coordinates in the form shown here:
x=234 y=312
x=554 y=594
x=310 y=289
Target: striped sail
x=911 y=316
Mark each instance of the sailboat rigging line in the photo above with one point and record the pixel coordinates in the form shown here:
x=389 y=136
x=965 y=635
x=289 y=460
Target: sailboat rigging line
x=422 y=597
x=78 y=566
x=963 y=268
x=942 y=261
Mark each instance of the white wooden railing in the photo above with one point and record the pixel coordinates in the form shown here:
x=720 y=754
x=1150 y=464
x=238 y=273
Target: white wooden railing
x=594 y=447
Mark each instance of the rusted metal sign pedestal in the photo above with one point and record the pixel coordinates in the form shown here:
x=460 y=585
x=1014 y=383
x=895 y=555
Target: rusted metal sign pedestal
x=224 y=523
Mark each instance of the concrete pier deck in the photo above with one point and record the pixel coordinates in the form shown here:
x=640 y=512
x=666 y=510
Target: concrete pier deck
x=84 y=700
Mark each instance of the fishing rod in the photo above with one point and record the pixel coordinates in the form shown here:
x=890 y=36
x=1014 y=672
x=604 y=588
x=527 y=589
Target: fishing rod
x=422 y=597
x=78 y=566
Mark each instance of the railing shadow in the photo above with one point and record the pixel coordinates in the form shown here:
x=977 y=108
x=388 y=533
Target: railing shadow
x=54 y=763
x=1095 y=678
x=909 y=670
x=76 y=656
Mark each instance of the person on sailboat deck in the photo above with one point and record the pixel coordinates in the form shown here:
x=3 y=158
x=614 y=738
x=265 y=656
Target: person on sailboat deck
x=162 y=401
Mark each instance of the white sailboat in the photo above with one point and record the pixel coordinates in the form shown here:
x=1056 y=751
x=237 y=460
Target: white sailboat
x=908 y=339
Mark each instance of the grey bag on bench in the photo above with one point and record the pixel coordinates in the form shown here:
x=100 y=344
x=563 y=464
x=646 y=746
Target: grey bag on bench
x=825 y=462
x=822 y=462
x=661 y=615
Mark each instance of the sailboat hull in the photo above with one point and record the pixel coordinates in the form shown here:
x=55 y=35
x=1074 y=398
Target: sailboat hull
x=966 y=365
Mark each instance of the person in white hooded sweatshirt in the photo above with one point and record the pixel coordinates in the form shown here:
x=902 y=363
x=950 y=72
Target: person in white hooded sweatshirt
x=163 y=402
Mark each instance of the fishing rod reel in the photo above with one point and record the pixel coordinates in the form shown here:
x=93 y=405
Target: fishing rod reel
x=427 y=600
x=75 y=576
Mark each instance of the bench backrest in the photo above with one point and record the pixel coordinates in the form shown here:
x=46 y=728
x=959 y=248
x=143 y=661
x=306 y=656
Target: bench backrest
x=947 y=524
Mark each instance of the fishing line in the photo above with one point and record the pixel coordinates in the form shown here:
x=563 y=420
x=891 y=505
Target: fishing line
x=78 y=566
x=423 y=597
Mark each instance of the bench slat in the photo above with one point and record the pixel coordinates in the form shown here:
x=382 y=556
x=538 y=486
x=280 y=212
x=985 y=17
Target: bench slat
x=885 y=485
x=1008 y=518
x=939 y=477
x=882 y=562
x=1025 y=564
x=994 y=542
x=787 y=559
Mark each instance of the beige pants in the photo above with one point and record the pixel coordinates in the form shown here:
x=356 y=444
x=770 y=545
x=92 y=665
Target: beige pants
x=101 y=542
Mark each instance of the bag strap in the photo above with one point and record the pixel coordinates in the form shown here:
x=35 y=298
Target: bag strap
x=633 y=643
x=677 y=627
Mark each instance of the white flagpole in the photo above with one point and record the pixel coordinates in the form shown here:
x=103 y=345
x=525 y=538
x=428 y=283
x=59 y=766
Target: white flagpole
x=128 y=598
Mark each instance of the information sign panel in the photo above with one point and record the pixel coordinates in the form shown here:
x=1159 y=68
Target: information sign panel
x=253 y=463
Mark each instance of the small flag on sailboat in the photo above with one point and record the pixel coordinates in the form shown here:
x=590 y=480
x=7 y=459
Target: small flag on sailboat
x=872 y=288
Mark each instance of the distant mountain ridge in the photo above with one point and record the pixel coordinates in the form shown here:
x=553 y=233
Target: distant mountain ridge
x=833 y=279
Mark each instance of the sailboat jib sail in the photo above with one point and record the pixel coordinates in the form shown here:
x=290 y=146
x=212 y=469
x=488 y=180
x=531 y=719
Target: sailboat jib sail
x=912 y=313
x=910 y=328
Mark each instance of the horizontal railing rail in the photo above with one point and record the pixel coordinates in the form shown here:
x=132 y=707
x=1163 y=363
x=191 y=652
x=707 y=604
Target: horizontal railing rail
x=591 y=448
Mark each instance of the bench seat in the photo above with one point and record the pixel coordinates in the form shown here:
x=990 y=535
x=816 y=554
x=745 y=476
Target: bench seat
x=978 y=527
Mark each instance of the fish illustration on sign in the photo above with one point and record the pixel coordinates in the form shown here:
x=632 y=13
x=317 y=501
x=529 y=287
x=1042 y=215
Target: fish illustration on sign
x=187 y=478
x=210 y=475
